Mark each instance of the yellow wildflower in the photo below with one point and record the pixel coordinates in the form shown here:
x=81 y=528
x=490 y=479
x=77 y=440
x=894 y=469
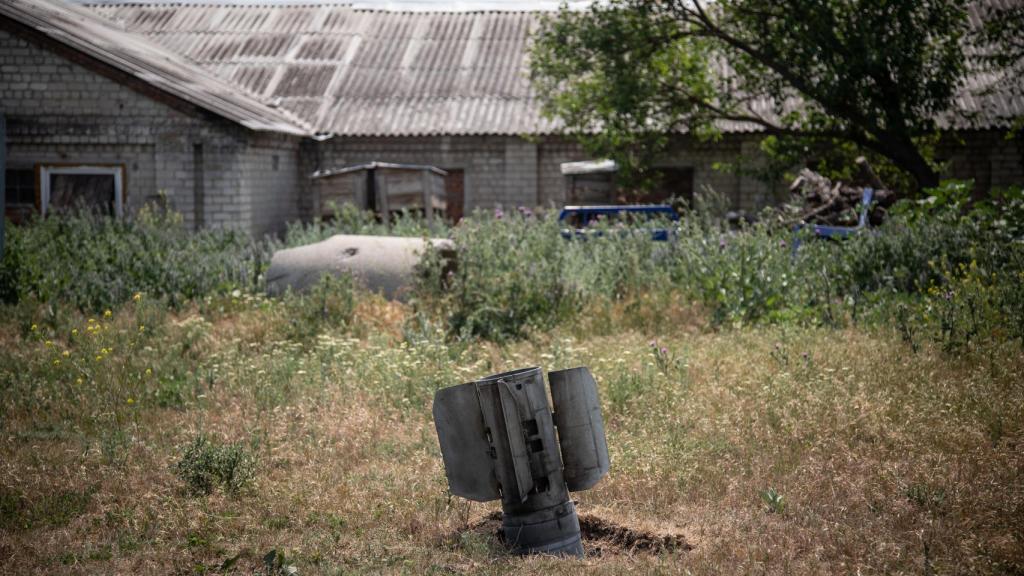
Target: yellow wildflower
x=78 y=381
x=34 y=327
x=149 y=371
x=56 y=362
x=137 y=297
x=131 y=401
x=65 y=353
x=107 y=313
x=49 y=343
x=74 y=331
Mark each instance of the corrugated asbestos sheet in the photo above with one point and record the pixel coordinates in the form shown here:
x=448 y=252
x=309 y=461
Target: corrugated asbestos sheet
x=988 y=100
x=376 y=73
x=331 y=68
x=148 y=61
x=360 y=72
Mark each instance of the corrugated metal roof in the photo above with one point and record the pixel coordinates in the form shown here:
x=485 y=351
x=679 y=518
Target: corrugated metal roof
x=356 y=72
x=148 y=61
x=360 y=72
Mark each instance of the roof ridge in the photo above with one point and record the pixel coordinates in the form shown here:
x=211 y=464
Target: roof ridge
x=283 y=4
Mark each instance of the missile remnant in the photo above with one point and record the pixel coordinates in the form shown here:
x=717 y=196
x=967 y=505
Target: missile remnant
x=498 y=441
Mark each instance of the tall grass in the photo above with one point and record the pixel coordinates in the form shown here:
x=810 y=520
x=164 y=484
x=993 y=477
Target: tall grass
x=239 y=430
x=93 y=262
x=514 y=274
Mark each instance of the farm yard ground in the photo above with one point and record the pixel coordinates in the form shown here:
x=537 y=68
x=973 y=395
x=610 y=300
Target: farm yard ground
x=198 y=439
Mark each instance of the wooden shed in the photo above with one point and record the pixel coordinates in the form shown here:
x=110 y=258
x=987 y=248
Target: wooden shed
x=383 y=188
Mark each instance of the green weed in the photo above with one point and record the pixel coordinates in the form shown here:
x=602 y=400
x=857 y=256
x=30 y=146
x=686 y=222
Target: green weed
x=208 y=464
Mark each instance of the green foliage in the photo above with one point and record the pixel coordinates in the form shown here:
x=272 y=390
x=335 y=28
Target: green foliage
x=347 y=219
x=834 y=158
x=329 y=304
x=610 y=67
x=207 y=464
x=512 y=276
x=94 y=262
x=773 y=501
x=625 y=74
x=515 y=275
x=277 y=564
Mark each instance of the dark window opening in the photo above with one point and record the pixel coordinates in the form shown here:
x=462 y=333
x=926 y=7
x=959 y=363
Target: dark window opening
x=670 y=183
x=82 y=191
x=20 y=187
x=19 y=194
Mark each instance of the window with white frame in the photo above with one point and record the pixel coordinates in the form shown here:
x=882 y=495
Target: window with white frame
x=71 y=187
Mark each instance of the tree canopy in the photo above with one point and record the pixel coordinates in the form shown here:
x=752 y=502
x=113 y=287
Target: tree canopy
x=878 y=74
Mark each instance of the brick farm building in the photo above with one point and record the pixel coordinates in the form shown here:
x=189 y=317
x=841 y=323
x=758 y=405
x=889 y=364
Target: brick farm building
x=224 y=111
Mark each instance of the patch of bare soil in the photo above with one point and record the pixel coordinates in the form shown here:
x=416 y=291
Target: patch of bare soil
x=602 y=537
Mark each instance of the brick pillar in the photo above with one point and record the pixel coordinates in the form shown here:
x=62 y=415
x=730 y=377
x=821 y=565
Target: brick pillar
x=753 y=194
x=520 y=173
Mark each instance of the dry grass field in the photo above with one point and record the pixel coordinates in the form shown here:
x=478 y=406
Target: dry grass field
x=199 y=441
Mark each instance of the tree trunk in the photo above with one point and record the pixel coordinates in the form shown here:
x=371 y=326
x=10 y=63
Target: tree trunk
x=904 y=154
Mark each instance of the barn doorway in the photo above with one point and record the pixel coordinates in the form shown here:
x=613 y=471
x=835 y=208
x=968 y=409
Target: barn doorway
x=455 y=193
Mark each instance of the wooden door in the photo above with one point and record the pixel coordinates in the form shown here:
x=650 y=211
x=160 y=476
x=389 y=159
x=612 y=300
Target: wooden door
x=455 y=193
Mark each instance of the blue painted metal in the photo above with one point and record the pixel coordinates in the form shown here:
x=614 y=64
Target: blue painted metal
x=844 y=231
x=584 y=216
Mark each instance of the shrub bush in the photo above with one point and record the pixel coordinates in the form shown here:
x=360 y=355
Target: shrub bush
x=515 y=274
x=207 y=464
x=94 y=262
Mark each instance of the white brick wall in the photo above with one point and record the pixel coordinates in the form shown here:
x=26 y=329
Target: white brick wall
x=59 y=111
x=271 y=174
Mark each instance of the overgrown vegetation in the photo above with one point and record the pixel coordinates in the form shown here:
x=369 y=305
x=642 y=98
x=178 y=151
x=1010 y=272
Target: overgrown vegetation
x=515 y=274
x=207 y=464
x=783 y=410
